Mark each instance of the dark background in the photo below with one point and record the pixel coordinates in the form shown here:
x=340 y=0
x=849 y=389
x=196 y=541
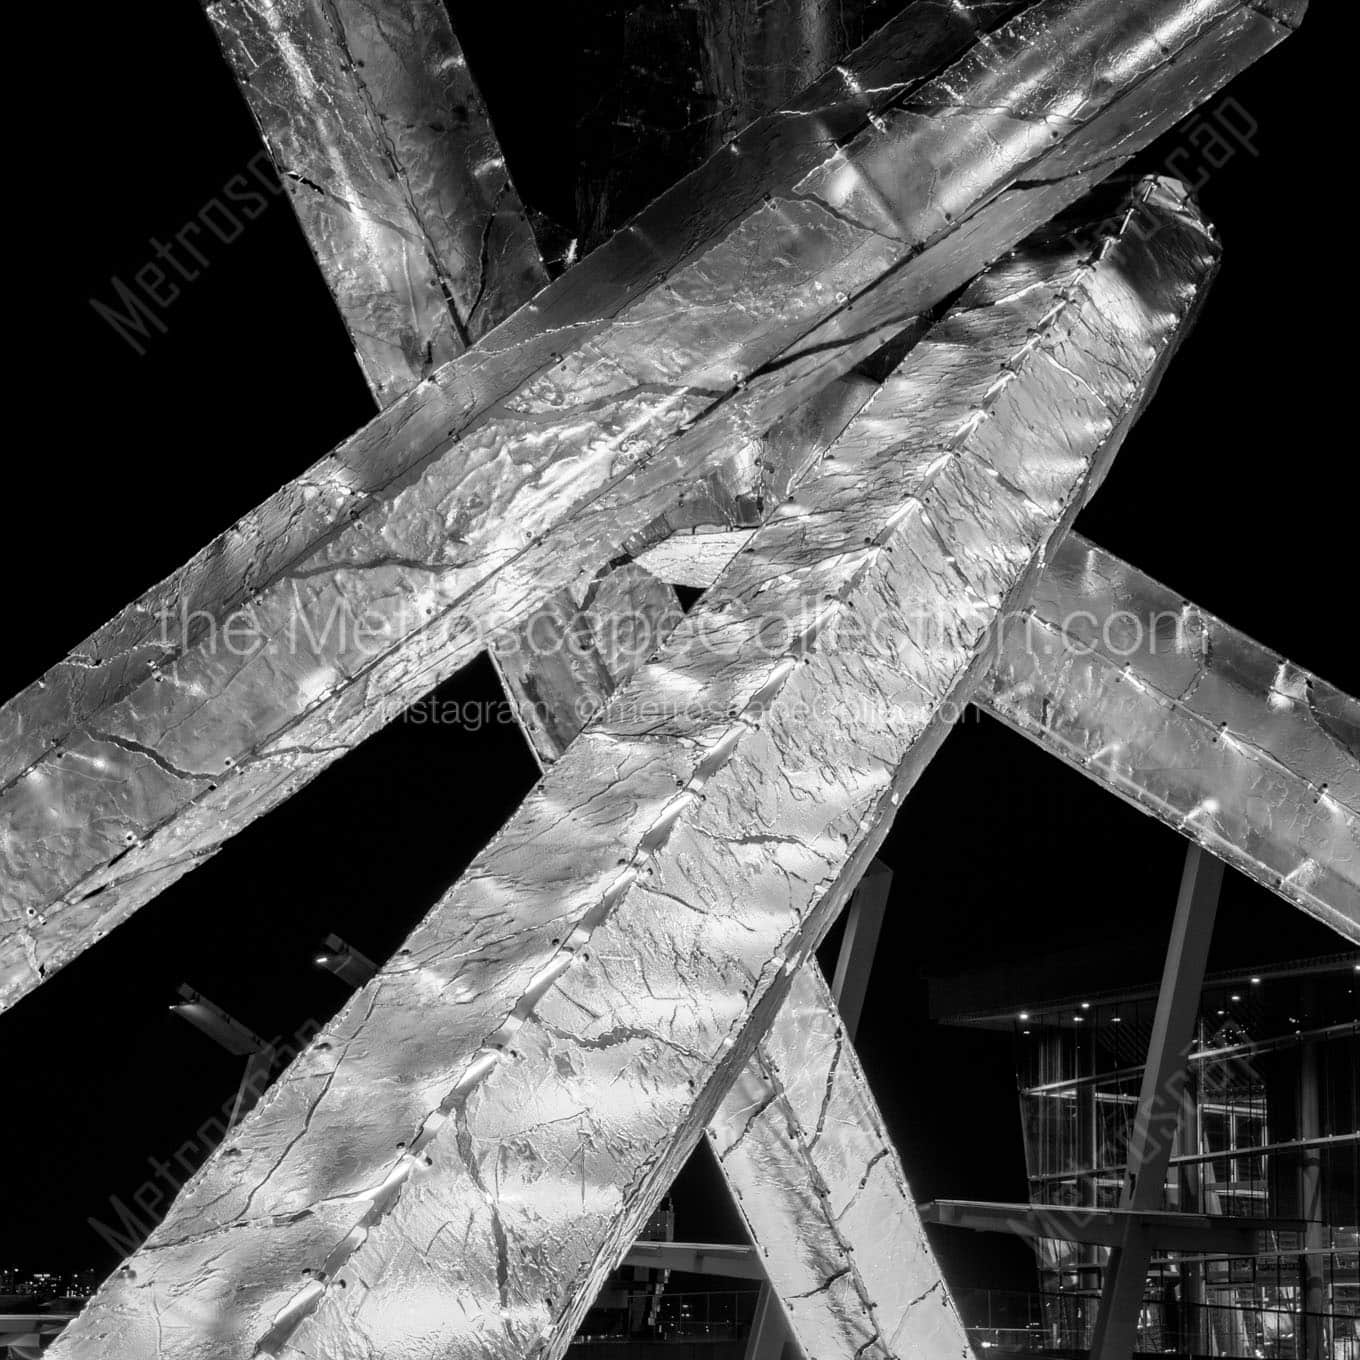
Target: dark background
x=1233 y=489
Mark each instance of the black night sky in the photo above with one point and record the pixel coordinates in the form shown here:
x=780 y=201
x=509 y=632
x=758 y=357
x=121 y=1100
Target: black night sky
x=1232 y=490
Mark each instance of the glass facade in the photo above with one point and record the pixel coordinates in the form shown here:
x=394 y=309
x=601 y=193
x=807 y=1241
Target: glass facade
x=1268 y=1131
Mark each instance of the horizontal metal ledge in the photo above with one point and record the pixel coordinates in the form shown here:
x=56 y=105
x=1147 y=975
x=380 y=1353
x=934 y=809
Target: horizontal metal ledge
x=697 y=1258
x=1166 y=1231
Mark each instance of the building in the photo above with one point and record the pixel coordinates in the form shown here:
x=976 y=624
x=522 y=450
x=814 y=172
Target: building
x=1268 y=1137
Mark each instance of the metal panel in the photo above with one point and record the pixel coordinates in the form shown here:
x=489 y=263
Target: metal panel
x=821 y=1187
x=380 y=136
x=522 y=465
x=456 y=1164
x=1192 y=722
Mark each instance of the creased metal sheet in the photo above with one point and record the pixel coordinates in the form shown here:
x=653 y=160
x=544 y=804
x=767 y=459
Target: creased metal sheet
x=801 y=1142
x=755 y=53
x=381 y=138
x=1107 y=670
x=523 y=464
x=562 y=663
x=1192 y=722
x=456 y=1163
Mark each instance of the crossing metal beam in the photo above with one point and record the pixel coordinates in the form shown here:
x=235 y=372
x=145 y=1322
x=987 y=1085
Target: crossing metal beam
x=474 y=1143
x=521 y=466
x=1174 y=710
x=1192 y=722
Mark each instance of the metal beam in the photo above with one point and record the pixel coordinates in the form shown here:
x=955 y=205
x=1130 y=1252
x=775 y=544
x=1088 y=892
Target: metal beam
x=350 y=965
x=863 y=921
x=260 y=1055
x=1191 y=721
x=1159 y=1103
x=221 y=1027
x=769 y=1328
x=803 y=1146
x=697 y=1258
x=1164 y=1230
x=379 y=134
x=524 y=463
x=1172 y=709
x=474 y=1143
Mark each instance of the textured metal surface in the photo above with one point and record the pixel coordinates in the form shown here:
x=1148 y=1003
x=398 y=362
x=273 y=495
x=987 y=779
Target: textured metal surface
x=801 y=1142
x=755 y=53
x=1191 y=721
x=456 y=1163
x=1172 y=709
x=560 y=665
x=520 y=468
x=381 y=138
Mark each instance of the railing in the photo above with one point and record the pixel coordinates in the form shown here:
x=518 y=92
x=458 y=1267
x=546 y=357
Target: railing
x=1063 y=1323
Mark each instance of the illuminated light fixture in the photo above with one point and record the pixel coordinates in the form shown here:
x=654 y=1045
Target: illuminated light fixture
x=1256 y=982
x=1024 y=1015
x=1237 y=996
x=1116 y=1019
x=1223 y=1012
x=1079 y=1019
x=1086 y=1005
x=323 y=959
x=1027 y=1031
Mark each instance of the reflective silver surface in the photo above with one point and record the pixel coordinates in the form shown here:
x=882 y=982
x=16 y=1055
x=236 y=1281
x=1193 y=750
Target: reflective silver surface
x=1261 y=765
x=526 y=461
x=380 y=136
x=455 y=1164
x=560 y=665
x=1191 y=721
x=819 y=1183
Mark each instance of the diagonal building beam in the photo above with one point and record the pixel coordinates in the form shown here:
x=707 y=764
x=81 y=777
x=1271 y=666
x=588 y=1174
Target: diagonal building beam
x=379 y=134
x=529 y=458
x=1192 y=722
x=459 y=1160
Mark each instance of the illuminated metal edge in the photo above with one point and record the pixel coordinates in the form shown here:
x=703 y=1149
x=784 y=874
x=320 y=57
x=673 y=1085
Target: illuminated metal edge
x=1191 y=721
x=555 y=690
x=513 y=474
x=801 y=1142
x=458 y=1161
x=1222 y=739
x=380 y=136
